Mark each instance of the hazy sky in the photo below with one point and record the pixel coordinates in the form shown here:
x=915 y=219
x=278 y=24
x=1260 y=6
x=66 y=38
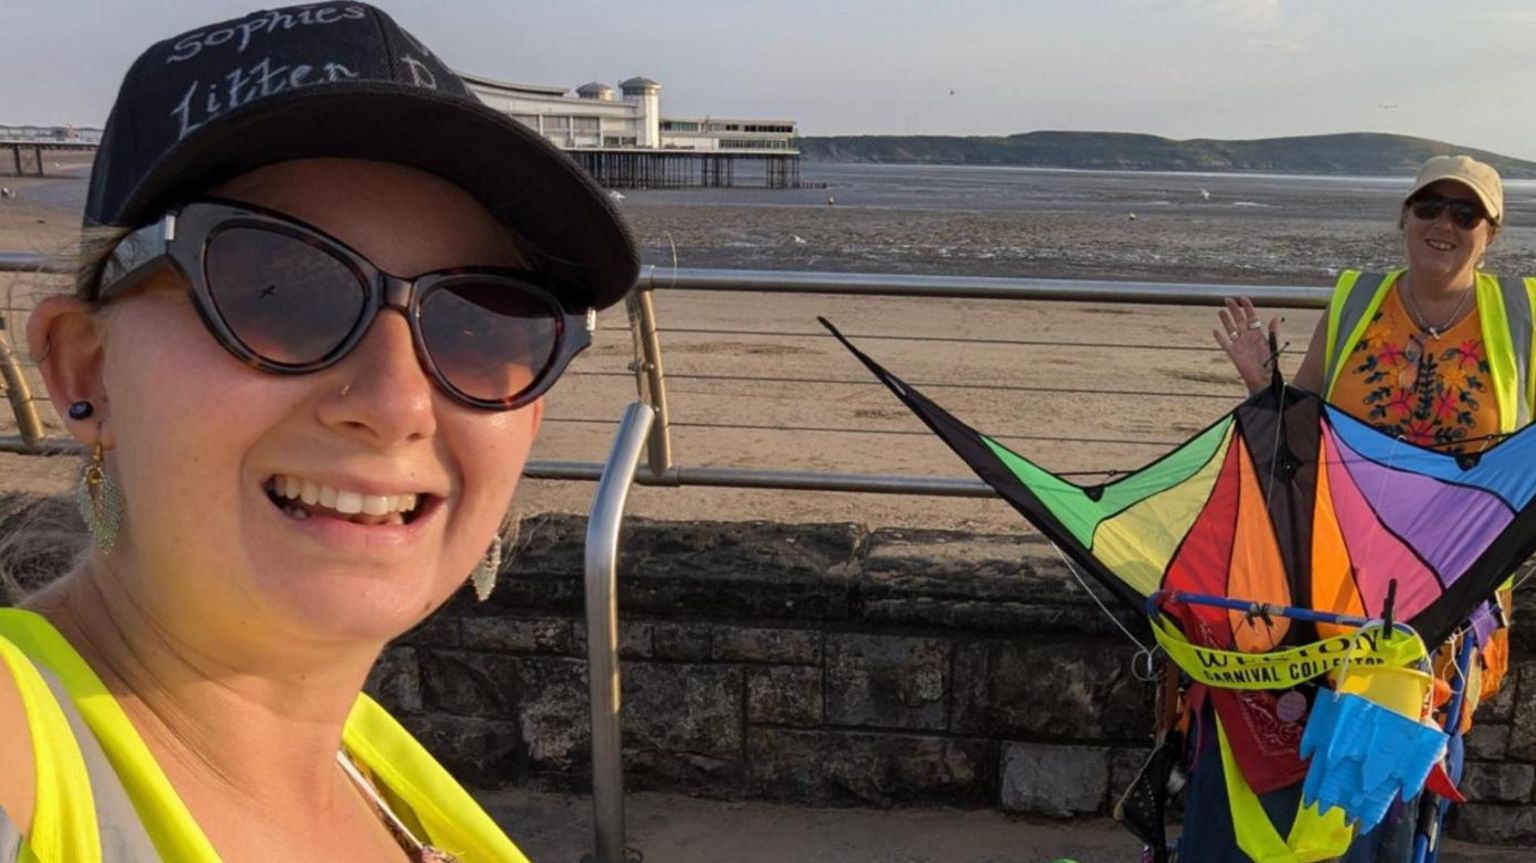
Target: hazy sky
x=1461 y=72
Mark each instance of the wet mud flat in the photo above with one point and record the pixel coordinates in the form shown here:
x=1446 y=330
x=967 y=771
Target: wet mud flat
x=1215 y=247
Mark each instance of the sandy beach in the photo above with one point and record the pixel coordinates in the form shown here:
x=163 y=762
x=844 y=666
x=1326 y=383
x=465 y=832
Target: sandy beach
x=754 y=382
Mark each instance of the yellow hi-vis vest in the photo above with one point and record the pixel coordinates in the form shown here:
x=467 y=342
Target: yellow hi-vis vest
x=68 y=824
x=1504 y=307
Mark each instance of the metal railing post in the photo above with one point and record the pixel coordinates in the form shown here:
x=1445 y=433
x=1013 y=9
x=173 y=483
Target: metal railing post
x=17 y=390
x=650 y=379
x=602 y=557
x=20 y=395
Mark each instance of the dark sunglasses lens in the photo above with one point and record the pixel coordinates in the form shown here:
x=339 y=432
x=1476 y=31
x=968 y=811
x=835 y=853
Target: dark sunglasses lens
x=1465 y=216
x=1428 y=208
x=490 y=338
x=286 y=300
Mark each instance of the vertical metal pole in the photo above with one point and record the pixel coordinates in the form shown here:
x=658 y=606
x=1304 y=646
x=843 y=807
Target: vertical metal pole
x=650 y=379
x=602 y=558
x=19 y=393
x=1426 y=845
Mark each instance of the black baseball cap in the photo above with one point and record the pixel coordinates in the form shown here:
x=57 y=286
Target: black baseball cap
x=342 y=79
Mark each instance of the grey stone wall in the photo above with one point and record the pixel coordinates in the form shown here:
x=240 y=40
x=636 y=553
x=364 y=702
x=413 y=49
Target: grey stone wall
x=1500 y=778
x=827 y=665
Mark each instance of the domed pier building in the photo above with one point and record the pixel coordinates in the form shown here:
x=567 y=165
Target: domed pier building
x=621 y=137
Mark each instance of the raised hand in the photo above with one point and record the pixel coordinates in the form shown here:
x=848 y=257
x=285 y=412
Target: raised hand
x=1246 y=341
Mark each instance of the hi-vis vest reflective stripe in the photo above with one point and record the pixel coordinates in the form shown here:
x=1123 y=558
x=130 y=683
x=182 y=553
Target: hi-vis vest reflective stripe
x=1504 y=307
x=64 y=826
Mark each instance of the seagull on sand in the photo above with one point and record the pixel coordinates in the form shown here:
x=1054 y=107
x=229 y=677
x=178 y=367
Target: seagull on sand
x=1205 y=194
x=799 y=240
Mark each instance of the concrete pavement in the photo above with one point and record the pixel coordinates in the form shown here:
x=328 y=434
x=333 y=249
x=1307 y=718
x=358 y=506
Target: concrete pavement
x=668 y=828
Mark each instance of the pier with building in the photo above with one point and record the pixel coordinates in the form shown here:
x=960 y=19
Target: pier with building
x=620 y=136
x=624 y=141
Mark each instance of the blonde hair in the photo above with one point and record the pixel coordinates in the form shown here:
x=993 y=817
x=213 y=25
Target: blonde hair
x=96 y=245
x=41 y=538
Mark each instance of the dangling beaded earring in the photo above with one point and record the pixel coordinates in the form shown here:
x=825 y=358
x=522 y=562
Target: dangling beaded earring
x=100 y=501
x=484 y=575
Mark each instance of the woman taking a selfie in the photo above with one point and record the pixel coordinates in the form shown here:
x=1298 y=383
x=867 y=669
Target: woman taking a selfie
x=325 y=289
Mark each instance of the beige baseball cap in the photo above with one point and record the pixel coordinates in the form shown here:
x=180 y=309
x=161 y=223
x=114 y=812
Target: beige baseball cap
x=1481 y=178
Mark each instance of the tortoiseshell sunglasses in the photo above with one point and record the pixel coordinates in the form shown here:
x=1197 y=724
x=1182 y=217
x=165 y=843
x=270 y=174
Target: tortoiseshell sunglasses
x=287 y=298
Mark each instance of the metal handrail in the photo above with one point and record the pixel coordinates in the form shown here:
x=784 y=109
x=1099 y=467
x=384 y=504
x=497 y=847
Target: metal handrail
x=899 y=285
x=781 y=480
x=975 y=287
x=602 y=563
x=650 y=380
x=31 y=262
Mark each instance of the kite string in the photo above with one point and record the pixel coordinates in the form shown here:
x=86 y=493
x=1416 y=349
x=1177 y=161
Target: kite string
x=1274 y=453
x=1141 y=663
x=1522 y=580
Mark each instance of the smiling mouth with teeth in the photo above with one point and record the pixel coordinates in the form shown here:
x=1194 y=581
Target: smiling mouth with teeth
x=301 y=498
x=1440 y=245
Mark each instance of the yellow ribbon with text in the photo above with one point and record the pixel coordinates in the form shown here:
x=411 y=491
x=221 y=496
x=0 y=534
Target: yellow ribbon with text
x=1283 y=669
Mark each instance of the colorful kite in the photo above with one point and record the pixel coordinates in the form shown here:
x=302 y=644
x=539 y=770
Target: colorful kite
x=1271 y=537
x=1285 y=501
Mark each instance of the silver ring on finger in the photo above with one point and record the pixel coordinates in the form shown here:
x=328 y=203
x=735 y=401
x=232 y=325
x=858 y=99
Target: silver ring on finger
x=1254 y=324
x=1234 y=334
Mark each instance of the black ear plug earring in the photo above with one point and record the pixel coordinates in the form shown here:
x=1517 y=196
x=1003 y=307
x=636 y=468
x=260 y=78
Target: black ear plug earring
x=81 y=410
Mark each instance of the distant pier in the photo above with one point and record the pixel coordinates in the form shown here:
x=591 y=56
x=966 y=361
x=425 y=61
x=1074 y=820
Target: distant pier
x=630 y=168
x=626 y=168
x=27 y=144
x=26 y=157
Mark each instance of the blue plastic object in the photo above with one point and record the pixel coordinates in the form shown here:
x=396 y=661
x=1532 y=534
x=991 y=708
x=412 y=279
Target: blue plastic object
x=1363 y=755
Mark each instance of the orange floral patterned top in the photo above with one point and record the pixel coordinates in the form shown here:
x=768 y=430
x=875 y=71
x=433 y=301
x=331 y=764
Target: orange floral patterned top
x=1434 y=392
